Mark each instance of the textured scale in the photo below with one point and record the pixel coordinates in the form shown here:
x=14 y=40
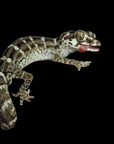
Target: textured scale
x=27 y=50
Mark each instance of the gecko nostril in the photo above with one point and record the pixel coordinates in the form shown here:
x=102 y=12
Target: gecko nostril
x=98 y=43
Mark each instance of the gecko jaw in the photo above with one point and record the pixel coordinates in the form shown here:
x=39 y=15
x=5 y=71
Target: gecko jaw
x=84 y=48
x=93 y=50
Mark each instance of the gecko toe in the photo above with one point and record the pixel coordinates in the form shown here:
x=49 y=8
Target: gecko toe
x=15 y=95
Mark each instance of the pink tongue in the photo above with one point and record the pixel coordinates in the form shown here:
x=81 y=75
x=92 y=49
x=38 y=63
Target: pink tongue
x=83 y=48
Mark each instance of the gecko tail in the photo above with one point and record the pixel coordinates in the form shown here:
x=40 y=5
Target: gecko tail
x=8 y=116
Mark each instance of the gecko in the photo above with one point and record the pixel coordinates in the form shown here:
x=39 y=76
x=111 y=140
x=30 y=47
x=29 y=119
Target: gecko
x=28 y=49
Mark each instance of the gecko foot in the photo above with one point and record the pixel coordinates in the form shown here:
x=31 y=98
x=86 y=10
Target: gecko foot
x=24 y=96
x=83 y=64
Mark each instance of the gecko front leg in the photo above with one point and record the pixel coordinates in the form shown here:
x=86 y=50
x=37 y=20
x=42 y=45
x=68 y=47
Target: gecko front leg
x=27 y=77
x=76 y=63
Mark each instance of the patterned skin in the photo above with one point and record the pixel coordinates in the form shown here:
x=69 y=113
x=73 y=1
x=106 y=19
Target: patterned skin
x=27 y=50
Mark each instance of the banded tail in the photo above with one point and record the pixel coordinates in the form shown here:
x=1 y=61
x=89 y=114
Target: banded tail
x=8 y=116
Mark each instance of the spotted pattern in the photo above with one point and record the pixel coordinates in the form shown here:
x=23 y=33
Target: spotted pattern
x=8 y=114
x=26 y=50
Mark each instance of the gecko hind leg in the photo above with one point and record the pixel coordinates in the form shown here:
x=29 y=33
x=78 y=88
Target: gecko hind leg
x=27 y=77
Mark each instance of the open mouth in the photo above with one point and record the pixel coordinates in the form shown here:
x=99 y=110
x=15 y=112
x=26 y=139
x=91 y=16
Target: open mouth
x=84 y=48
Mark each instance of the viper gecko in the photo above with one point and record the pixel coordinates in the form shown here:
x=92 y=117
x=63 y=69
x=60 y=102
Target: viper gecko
x=29 y=49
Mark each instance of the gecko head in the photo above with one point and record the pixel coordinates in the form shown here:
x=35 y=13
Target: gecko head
x=80 y=40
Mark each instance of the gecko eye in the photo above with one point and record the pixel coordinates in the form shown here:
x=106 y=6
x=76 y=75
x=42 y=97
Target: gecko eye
x=79 y=35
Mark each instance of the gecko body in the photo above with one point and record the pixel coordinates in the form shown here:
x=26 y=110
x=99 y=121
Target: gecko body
x=27 y=50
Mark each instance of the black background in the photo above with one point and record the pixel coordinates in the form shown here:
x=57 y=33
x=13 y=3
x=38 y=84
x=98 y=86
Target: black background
x=65 y=99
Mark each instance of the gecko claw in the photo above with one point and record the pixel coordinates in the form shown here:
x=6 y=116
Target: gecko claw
x=24 y=96
x=15 y=95
x=83 y=64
